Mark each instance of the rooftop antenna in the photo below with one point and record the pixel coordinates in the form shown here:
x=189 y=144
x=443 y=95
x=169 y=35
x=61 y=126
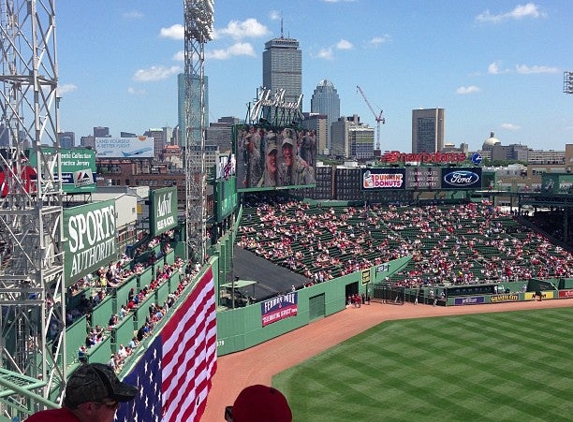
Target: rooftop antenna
x=282 y=29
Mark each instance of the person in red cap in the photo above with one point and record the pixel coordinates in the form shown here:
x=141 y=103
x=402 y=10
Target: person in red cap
x=259 y=403
x=93 y=394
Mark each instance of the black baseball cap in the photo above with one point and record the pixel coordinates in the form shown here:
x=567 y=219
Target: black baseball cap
x=96 y=382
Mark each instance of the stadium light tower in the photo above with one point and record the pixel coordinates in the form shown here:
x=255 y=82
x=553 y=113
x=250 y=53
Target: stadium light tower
x=568 y=82
x=32 y=289
x=198 y=29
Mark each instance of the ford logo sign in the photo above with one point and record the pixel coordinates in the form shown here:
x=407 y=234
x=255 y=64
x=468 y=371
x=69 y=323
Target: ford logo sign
x=461 y=178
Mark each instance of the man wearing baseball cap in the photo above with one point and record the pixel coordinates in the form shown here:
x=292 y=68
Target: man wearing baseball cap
x=93 y=394
x=259 y=403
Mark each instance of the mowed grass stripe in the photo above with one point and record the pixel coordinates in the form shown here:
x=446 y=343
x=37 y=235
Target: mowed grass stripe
x=510 y=366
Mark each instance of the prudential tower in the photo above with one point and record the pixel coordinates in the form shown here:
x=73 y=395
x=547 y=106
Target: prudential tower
x=282 y=66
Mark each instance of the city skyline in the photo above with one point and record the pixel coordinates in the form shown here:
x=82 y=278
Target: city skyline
x=493 y=66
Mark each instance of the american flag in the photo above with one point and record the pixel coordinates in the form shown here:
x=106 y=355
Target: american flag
x=229 y=168
x=174 y=374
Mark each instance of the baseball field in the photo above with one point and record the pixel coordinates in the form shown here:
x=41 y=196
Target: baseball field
x=509 y=366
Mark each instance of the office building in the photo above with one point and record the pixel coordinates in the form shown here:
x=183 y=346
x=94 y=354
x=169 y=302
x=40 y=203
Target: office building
x=101 y=132
x=67 y=139
x=88 y=141
x=195 y=108
x=325 y=100
x=428 y=130
x=220 y=133
x=318 y=123
x=282 y=67
x=159 y=141
x=352 y=139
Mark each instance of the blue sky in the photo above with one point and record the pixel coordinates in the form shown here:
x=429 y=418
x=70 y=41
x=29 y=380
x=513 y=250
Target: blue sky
x=493 y=65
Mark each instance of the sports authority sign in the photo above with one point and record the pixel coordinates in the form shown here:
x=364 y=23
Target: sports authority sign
x=90 y=239
x=163 y=210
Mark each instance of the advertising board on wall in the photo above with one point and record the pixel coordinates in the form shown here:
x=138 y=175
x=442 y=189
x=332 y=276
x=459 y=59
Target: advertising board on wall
x=279 y=308
x=226 y=194
x=162 y=210
x=90 y=238
x=134 y=147
x=422 y=178
x=78 y=169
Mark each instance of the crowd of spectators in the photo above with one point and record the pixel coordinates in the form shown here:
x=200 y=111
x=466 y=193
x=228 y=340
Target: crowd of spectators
x=94 y=288
x=459 y=244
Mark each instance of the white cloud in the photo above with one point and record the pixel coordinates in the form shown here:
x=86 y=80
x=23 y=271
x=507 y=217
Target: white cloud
x=529 y=10
x=494 y=69
x=155 y=73
x=174 y=32
x=376 y=41
x=524 y=69
x=344 y=45
x=133 y=91
x=65 y=88
x=510 y=127
x=179 y=56
x=238 y=49
x=463 y=90
x=250 y=28
x=325 y=53
x=133 y=14
x=274 y=15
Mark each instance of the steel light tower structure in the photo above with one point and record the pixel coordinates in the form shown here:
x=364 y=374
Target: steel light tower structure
x=568 y=82
x=198 y=28
x=32 y=288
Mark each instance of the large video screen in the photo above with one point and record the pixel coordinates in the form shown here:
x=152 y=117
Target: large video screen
x=274 y=157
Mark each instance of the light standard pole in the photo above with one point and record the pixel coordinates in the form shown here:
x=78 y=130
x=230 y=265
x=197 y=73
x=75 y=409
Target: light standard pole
x=568 y=82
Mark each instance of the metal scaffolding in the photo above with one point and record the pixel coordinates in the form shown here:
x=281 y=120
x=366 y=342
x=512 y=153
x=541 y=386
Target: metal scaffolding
x=198 y=15
x=32 y=288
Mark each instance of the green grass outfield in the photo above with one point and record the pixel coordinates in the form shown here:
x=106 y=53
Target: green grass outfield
x=511 y=366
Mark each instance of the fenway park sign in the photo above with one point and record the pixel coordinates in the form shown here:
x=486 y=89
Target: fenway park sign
x=424 y=157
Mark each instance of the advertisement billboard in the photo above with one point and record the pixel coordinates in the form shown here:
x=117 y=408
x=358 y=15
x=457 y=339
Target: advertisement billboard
x=383 y=179
x=135 y=147
x=90 y=239
x=226 y=194
x=274 y=157
x=461 y=178
x=279 y=308
x=422 y=178
x=78 y=169
x=162 y=210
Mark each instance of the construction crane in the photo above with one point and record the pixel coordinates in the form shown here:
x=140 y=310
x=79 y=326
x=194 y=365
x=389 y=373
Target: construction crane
x=378 y=117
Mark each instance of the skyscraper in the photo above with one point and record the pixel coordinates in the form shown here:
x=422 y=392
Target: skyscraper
x=428 y=130
x=282 y=67
x=101 y=132
x=194 y=107
x=325 y=100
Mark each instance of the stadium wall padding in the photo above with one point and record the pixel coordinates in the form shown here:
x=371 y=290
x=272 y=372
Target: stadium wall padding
x=241 y=328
